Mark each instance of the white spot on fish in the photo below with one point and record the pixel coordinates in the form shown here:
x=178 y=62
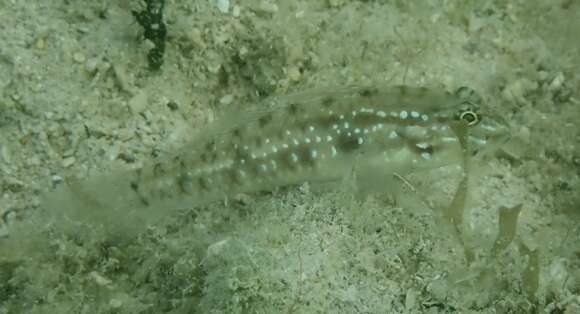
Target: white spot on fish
x=294 y=157
x=477 y=141
x=333 y=152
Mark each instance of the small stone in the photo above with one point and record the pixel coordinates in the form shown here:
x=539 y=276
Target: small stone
x=243 y=52
x=242 y=199
x=69 y=161
x=122 y=78
x=33 y=161
x=55 y=180
x=5 y=153
x=576 y=161
x=214 y=68
x=411 y=299
x=266 y=8
x=294 y=73
x=217 y=248
x=128 y=158
x=100 y=279
x=524 y=134
x=92 y=65
x=69 y=152
x=139 y=102
x=335 y=3
x=40 y=43
x=557 y=81
x=83 y=29
x=119 y=300
x=172 y=105
x=236 y=11
x=543 y=76
x=126 y=134
x=48 y=115
x=195 y=37
x=116 y=303
x=223 y=5
x=79 y=57
x=227 y=99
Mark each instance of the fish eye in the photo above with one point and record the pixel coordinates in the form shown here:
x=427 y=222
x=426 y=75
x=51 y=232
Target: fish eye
x=470 y=117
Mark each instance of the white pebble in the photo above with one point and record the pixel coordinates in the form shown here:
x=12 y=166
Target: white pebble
x=79 y=57
x=69 y=161
x=223 y=5
x=226 y=100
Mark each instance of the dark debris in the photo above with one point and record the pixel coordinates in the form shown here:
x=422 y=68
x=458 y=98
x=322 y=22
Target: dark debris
x=151 y=19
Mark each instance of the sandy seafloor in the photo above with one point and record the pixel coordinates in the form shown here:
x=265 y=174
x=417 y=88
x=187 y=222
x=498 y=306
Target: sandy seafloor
x=77 y=97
